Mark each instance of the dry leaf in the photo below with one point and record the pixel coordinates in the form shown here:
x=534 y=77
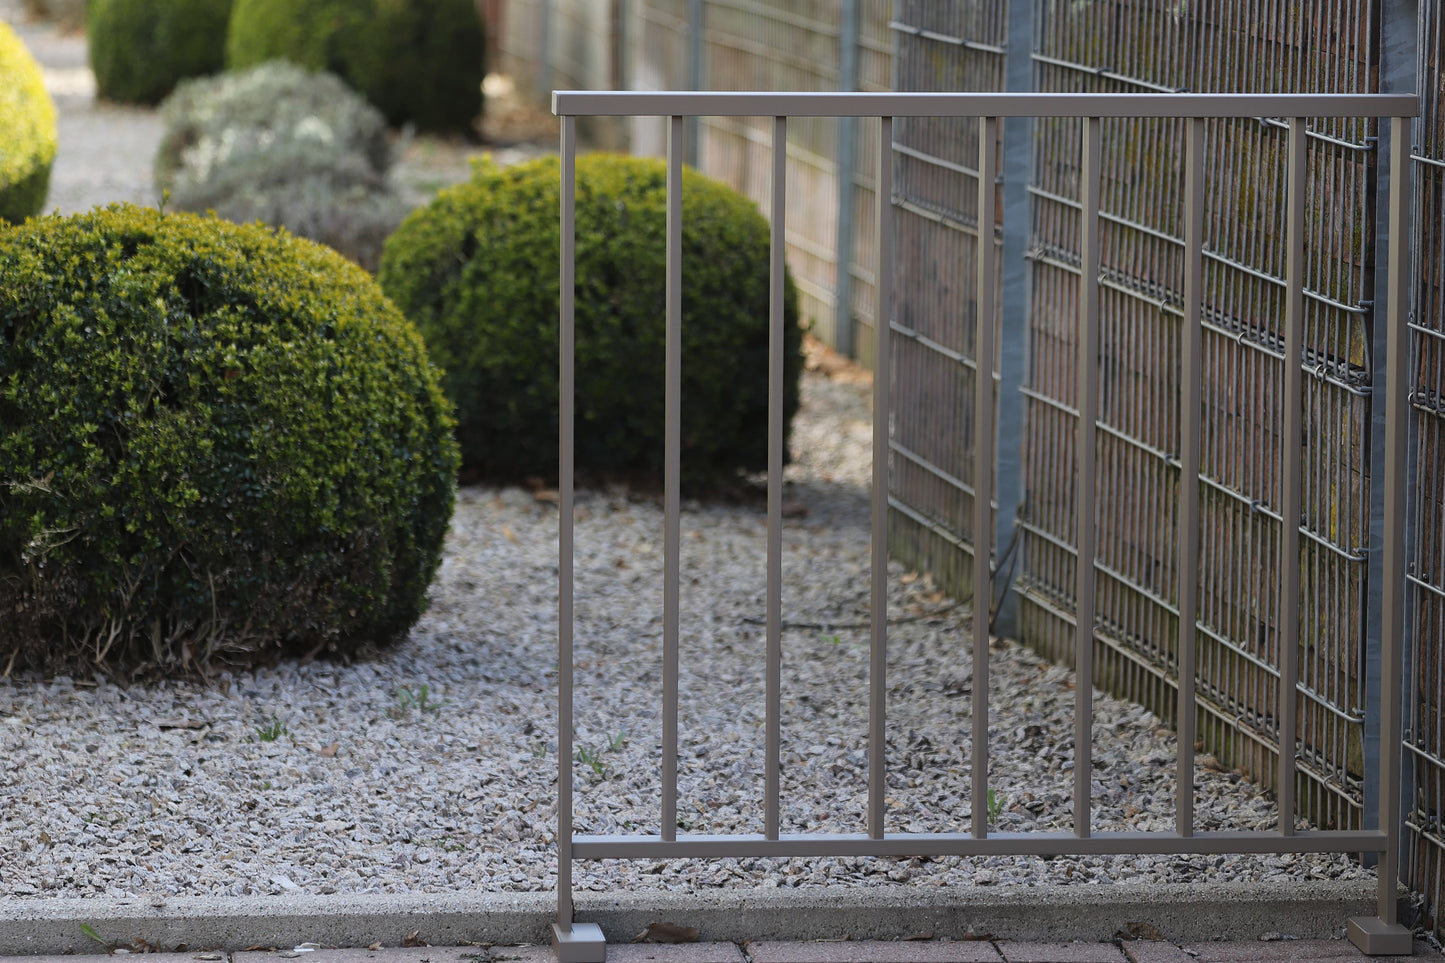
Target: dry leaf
x=414 y=939
x=820 y=357
x=549 y=495
x=919 y=936
x=374 y=946
x=1139 y=931
x=329 y=751
x=508 y=534
x=667 y=933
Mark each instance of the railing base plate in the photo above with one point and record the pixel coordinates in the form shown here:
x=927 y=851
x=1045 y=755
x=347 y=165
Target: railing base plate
x=583 y=943
x=1375 y=938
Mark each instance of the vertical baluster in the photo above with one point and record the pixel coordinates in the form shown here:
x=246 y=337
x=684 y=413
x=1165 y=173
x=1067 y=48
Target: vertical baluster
x=1086 y=530
x=671 y=470
x=1290 y=471
x=776 y=432
x=983 y=461
x=878 y=656
x=565 y=555
x=1191 y=363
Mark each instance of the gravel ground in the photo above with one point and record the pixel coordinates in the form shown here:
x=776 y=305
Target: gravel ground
x=434 y=769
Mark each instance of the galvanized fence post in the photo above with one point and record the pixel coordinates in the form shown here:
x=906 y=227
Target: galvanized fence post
x=843 y=334
x=1014 y=307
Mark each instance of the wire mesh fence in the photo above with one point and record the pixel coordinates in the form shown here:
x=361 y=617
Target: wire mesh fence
x=1424 y=863
x=1090 y=45
x=940 y=47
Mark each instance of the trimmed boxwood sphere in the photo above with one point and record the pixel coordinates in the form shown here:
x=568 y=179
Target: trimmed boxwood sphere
x=476 y=270
x=140 y=49
x=217 y=444
x=418 y=61
x=27 y=117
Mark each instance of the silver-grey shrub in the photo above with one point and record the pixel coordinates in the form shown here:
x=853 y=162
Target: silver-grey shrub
x=281 y=145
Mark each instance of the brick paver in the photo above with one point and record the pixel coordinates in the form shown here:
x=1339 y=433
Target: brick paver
x=1297 y=951
x=103 y=958
x=874 y=951
x=1273 y=951
x=395 y=954
x=1061 y=952
x=674 y=953
x=1154 y=951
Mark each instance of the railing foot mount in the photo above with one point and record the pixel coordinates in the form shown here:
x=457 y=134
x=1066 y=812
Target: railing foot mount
x=1374 y=937
x=581 y=943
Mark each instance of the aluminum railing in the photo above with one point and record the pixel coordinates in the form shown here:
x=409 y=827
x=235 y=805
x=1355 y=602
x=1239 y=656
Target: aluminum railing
x=583 y=942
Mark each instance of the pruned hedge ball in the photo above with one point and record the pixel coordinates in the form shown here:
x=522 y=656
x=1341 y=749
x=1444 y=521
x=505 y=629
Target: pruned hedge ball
x=217 y=445
x=140 y=49
x=419 y=61
x=477 y=271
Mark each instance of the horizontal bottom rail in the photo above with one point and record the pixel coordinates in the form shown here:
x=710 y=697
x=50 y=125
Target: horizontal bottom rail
x=962 y=844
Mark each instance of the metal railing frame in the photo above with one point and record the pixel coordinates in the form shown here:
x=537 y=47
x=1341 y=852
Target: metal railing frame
x=582 y=942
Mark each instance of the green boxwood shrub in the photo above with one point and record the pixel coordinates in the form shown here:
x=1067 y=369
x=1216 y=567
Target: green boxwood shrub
x=279 y=144
x=217 y=444
x=27 y=117
x=140 y=49
x=419 y=61
x=476 y=270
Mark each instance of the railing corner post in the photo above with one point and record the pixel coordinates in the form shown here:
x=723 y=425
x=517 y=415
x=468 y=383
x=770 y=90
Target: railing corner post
x=1382 y=934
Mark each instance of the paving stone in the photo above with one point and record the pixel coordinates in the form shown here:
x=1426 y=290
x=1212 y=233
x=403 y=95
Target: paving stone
x=875 y=951
x=1077 y=952
x=522 y=954
x=1275 y=951
x=674 y=953
x=1154 y=951
x=103 y=958
x=1424 y=953
x=394 y=954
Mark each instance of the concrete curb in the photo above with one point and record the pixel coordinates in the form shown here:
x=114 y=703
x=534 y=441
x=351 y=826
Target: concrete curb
x=1181 y=913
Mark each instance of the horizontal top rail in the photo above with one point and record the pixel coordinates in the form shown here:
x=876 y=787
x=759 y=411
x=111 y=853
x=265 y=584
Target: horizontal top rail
x=677 y=103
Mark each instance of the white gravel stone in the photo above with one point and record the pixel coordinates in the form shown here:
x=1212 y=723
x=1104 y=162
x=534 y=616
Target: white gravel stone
x=434 y=769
